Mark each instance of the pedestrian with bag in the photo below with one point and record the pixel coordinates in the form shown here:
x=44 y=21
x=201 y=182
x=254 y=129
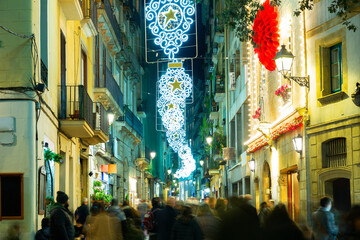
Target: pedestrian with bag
x=151 y=219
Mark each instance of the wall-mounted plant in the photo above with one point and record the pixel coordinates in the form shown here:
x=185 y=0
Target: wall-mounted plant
x=257 y=114
x=51 y=156
x=283 y=91
x=342 y=8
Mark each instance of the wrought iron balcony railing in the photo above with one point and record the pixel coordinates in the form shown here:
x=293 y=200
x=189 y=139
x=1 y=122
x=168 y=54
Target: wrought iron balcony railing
x=76 y=104
x=130 y=118
x=110 y=84
x=112 y=19
x=101 y=119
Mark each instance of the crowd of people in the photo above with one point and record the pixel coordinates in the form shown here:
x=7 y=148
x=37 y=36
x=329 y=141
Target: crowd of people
x=212 y=219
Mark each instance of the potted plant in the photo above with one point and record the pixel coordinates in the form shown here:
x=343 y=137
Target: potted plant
x=283 y=91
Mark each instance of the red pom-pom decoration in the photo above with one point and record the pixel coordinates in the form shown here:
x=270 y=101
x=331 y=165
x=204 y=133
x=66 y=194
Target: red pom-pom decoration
x=266 y=35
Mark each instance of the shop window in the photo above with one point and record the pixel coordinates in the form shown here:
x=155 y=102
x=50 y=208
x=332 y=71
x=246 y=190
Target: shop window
x=11 y=196
x=334 y=153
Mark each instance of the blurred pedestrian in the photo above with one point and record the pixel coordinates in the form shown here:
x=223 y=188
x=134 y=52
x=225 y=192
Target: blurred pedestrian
x=82 y=212
x=323 y=221
x=208 y=223
x=44 y=232
x=264 y=212
x=353 y=224
x=220 y=208
x=186 y=227
x=151 y=219
x=241 y=220
x=103 y=226
x=142 y=208
x=79 y=230
x=279 y=226
x=166 y=220
x=61 y=227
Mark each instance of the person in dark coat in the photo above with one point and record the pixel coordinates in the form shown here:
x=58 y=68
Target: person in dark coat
x=279 y=226
x=156 y=207
x=209 y=224
x=82 y=212
x=44 y=232
x=61 y=227
x=241 y=219
x=166 y=220
x=186 y=227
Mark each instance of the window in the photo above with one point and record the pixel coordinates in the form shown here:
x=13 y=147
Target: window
x=335 y=68
x=11 y=196
x=44 y=41
x=334 y=153
x=84 y=69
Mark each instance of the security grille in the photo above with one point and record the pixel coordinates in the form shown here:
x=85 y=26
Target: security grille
x=334 y=153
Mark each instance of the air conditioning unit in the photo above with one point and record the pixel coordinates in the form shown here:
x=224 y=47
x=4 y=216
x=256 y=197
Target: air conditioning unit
x=232 y=81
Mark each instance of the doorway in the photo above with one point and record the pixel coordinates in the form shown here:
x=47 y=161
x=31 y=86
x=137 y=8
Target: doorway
x=293 y=195
x=266 y=183
x=339 y=189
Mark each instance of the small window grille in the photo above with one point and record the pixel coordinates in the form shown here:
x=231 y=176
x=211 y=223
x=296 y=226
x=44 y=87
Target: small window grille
x=334 y=153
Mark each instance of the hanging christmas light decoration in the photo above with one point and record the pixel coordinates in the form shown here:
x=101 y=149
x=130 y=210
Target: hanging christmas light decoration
x=169 y=21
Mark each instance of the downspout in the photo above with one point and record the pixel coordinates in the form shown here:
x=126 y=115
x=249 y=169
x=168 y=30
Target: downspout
x=306 y=138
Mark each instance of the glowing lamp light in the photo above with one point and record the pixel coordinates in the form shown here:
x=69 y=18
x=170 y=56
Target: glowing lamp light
x=298 y=143
x=169 y=171
x=152 y=155
x=111 y=117
x=252 y=165
x=209 y=140
x=284 y=60
x=201 y=162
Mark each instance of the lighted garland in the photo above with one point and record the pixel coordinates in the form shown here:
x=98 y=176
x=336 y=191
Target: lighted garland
x=170 y=20
x=174 y=87
x=288 y=127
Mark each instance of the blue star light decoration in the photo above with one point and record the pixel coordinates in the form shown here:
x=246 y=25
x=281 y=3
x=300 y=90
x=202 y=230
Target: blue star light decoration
x=169 y=21
x=174 y=87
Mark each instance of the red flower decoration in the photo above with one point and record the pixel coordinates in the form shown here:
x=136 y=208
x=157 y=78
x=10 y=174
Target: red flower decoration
x=266 y=36
x=257 y=114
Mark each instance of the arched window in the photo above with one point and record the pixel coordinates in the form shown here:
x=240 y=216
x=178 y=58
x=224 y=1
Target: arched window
x=334 y=153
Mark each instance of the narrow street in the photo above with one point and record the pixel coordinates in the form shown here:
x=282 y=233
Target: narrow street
x=179 y=119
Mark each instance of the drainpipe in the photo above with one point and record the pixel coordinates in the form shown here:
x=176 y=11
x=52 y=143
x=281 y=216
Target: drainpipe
x=305 y=136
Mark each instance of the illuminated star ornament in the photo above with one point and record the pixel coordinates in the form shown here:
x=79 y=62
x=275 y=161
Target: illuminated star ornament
x=169 y=21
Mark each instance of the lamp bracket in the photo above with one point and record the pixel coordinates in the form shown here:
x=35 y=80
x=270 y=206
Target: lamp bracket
x=302 y=81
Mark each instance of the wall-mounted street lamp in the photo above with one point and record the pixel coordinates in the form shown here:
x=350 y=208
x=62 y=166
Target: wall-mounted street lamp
x=201 y=162
x=298 y=144
x=110 y=116
x=252 y=165
x=152 y=155
x=284 y=60
x=169 y=171
x=209 y=140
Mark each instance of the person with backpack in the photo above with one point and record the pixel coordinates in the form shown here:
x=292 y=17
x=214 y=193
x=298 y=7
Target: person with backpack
x=151 y=219
x=166 y=220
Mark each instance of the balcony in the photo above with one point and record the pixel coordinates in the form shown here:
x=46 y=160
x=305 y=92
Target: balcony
x=108 y=92
x=76 y=112
x=72 y=9
x=89 y=23
x=131 y=124
x=214 y=114
x=219 y=89
x=108 y=27
x=101 y=126
x=143 y=159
